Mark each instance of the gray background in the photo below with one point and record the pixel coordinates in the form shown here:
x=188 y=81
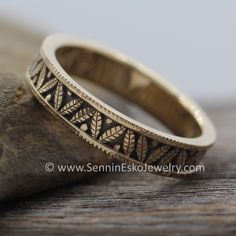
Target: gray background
x=191 y=43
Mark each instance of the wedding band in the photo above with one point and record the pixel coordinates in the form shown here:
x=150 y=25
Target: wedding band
x=50 y=79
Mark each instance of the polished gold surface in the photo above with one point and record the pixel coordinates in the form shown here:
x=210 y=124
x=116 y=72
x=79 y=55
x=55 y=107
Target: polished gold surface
x=51 y=79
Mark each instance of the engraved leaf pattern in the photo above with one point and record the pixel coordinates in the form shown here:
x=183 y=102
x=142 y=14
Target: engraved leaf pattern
x=169 y=156
x=181 y=158
x=71 y=107
x=112 y=134
x=129 y=140
x=164 y=154
x=34 y=79
x=48 y=85
x=36 y=67
x=142 y=148
x=82 y=115
x=41 y=77
x=96 y=124
x=58 y=95
x=157 y=154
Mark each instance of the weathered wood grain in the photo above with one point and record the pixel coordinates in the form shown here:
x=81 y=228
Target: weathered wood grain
x=139 y=203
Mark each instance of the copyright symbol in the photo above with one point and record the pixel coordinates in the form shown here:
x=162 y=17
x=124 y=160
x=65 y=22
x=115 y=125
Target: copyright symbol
x=49 y=167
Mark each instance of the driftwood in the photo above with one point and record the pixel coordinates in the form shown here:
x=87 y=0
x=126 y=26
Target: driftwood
x=30 y=137
x=109 y=204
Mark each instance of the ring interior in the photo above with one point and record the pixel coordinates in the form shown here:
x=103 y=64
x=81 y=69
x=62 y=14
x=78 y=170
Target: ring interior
x=131 y=83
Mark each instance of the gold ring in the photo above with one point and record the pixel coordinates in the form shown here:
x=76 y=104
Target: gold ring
x=50 y=79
